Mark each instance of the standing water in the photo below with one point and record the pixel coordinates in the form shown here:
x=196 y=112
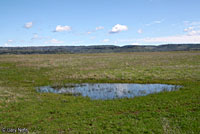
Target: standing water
x=106 y=91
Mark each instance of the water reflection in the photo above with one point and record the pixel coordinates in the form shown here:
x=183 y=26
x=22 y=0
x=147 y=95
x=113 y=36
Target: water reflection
x=110 y=91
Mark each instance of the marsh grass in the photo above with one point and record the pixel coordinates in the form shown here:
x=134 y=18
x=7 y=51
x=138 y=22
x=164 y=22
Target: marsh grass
x=167 y=112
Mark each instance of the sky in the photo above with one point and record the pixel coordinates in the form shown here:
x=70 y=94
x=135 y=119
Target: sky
x=98 y=22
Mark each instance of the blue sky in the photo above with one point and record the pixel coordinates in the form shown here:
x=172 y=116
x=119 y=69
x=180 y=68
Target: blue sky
x=98 y=22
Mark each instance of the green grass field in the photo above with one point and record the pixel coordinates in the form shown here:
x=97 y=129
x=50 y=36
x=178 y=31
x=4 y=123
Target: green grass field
x=175 y=112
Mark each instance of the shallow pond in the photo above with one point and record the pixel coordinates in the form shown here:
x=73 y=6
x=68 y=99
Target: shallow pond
x=106 y=91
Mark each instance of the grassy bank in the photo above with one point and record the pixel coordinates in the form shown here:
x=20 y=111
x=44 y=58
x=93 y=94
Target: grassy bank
x=168 y=112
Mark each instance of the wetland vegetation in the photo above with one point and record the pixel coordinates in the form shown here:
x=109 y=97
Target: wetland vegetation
x=165 y=112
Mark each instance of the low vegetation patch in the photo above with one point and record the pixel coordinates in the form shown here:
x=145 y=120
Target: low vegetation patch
x=21 y=106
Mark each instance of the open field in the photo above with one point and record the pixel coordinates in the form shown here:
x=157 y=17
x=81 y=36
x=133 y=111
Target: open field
x=167 y=112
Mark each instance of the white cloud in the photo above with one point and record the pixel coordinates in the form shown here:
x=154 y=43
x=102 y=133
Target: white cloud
x=54 y=41
x=10 y=41
x=99 y=28
x=89 y=32
x=38 y=37
x=193 y=23
x=106 y=40
x=155 y=22
x=172 y=39
x=193 y=30
x=93 y=37
x=6 y=45
x=78 y=42
x=60 y=28
x=140 y=31
x=135 y=43
x=165 y=40
x=35 y=36
x=96 y=29
x=28 y=25
x=116 y=42
x=118 y=28
x=188 y=29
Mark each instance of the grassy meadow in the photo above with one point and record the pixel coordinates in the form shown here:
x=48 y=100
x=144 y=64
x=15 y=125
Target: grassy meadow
x=175 y=112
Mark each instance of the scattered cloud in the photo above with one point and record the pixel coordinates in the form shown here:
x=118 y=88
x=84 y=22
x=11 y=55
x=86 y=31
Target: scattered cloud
x=38 y=37
x=135 y=43
x=165 y=40
x=54 y=41
x=35 y=36
x=140 y=31
x=96 y=29
x=193 y=23
x=188 y=29
x=172 y=39
x=106 y=40
x=10 y=41
x=193 y=30
x=89 y=32
x=60 y=28
x=99 y=28
x=28 y=25
x=6 y=45
x=119 y=28
x=78 y=42
x=192 y=36
x=93 y=37
x=155 y=22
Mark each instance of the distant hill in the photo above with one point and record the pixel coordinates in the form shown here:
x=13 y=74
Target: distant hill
x=98 y=49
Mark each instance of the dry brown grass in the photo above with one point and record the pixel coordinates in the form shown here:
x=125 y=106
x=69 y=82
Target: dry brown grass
x=130 y=66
